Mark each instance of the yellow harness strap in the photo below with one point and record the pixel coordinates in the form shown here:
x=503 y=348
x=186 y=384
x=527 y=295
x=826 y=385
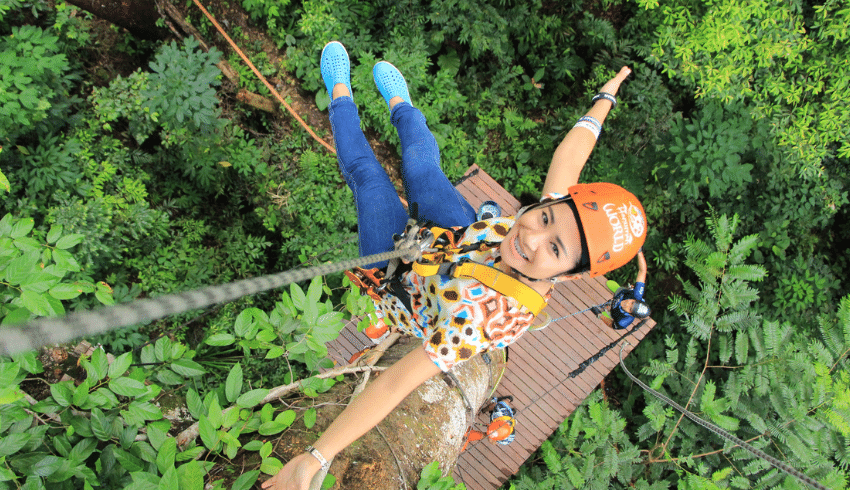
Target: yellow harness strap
x=489 y=276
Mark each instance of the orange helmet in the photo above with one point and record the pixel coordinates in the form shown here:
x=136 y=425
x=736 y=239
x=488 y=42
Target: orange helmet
x=614 y=224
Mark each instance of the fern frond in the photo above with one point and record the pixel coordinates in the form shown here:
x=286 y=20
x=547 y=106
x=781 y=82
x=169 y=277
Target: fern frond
x=724 y=348
x=742 y=347
x=743 y=248
x=746 y=272
x=731 y=321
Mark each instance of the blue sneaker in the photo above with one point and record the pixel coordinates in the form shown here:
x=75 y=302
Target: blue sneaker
x=390 y=82
x=487 y=210
x=336 y=68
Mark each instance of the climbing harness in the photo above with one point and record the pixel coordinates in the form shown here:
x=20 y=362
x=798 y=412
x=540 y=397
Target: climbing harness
x=502 y=427
x=722 y=433
x=433 y=261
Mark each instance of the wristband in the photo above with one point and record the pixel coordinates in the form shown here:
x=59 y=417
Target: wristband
x=588 y=125
x=606 y=96
x=593 y=121
x=316 y=454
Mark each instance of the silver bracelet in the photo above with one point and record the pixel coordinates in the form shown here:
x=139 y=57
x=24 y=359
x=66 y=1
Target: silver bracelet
x=316 y=454
x=589 y=126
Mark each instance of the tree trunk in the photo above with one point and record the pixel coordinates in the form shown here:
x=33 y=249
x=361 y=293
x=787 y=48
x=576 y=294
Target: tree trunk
x=429 y=425
x=137 y=16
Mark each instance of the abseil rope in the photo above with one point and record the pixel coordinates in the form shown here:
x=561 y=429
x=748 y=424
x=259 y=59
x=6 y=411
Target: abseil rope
x=722 y=433
x=45 y=331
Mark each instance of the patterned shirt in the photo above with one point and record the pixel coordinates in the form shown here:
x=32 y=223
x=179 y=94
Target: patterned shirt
x=458 y=317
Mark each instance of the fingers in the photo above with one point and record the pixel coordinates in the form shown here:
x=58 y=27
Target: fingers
x=613 y=85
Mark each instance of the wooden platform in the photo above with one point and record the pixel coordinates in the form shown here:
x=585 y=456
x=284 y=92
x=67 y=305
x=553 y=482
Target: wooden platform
x=538 y=363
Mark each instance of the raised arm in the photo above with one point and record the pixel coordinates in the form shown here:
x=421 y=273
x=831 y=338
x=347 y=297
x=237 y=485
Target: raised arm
x=574 y=150
x=379 y=398
x=641 y=277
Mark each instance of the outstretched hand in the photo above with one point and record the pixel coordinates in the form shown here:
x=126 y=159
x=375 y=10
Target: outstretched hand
x=613 y=85
x=296 y=475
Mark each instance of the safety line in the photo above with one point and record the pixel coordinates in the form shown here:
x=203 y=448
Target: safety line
x=51 y=330
x=722 y=433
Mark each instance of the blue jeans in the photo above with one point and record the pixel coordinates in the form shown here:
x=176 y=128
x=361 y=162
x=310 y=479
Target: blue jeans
x=379 y=211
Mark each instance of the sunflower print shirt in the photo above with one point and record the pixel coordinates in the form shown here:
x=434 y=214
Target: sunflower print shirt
x=456 y=317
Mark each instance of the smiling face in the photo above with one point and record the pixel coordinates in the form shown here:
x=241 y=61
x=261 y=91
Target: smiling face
x=544 y=242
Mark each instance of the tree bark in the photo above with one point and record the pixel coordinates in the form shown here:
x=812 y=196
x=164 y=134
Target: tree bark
x=137 y=16
x=429 y=425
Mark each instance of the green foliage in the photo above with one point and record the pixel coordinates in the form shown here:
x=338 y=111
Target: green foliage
x=317 y=211
x=35 y=269
x=33 y=76
x=431 y=478
x=180 y=93
x=589 y=450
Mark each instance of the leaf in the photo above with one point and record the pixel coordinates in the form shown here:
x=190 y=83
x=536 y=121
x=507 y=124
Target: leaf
x=36 y=303
x=145 y=410
x=169 y=480
x=120 y=365
x=266 y=450
x=314 y=292
x=127 y=387
x=103 y=293
x=251 y=398
x=191 y=476
x=271 y=466
x=254 y=445
x=230 y=417
x=246 y=480
x=62 y=393
x=83 y=449
x=166 y=454
x=54 y=234
x=157 y=433
x=69 y=241
x=169 y=377
x=215 y=416
x=194 y=404
x=310 y=418
x=28 y=361
x=22 y=227
x=99 y=426
x=99 y=363
x=298 y=297
x=188 y=368
x=209 y=436
x=221 y=339
x=13 y=443
x=233 y=385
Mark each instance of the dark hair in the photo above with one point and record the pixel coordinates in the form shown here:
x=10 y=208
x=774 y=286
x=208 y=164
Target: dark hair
x=583 y=264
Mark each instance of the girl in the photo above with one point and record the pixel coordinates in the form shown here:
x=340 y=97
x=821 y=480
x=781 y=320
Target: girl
x=501 y=270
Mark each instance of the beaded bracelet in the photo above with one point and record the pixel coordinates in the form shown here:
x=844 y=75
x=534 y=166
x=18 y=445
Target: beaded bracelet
x=316 y=454
x=606 y=96
x=588 y=125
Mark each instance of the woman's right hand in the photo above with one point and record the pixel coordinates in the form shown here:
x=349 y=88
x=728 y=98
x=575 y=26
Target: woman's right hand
x=612 y=86
x=295 y=475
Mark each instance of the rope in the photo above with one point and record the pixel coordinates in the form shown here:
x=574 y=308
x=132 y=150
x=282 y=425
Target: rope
x=45 y=331
x=262 y=78
x=722 y=433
